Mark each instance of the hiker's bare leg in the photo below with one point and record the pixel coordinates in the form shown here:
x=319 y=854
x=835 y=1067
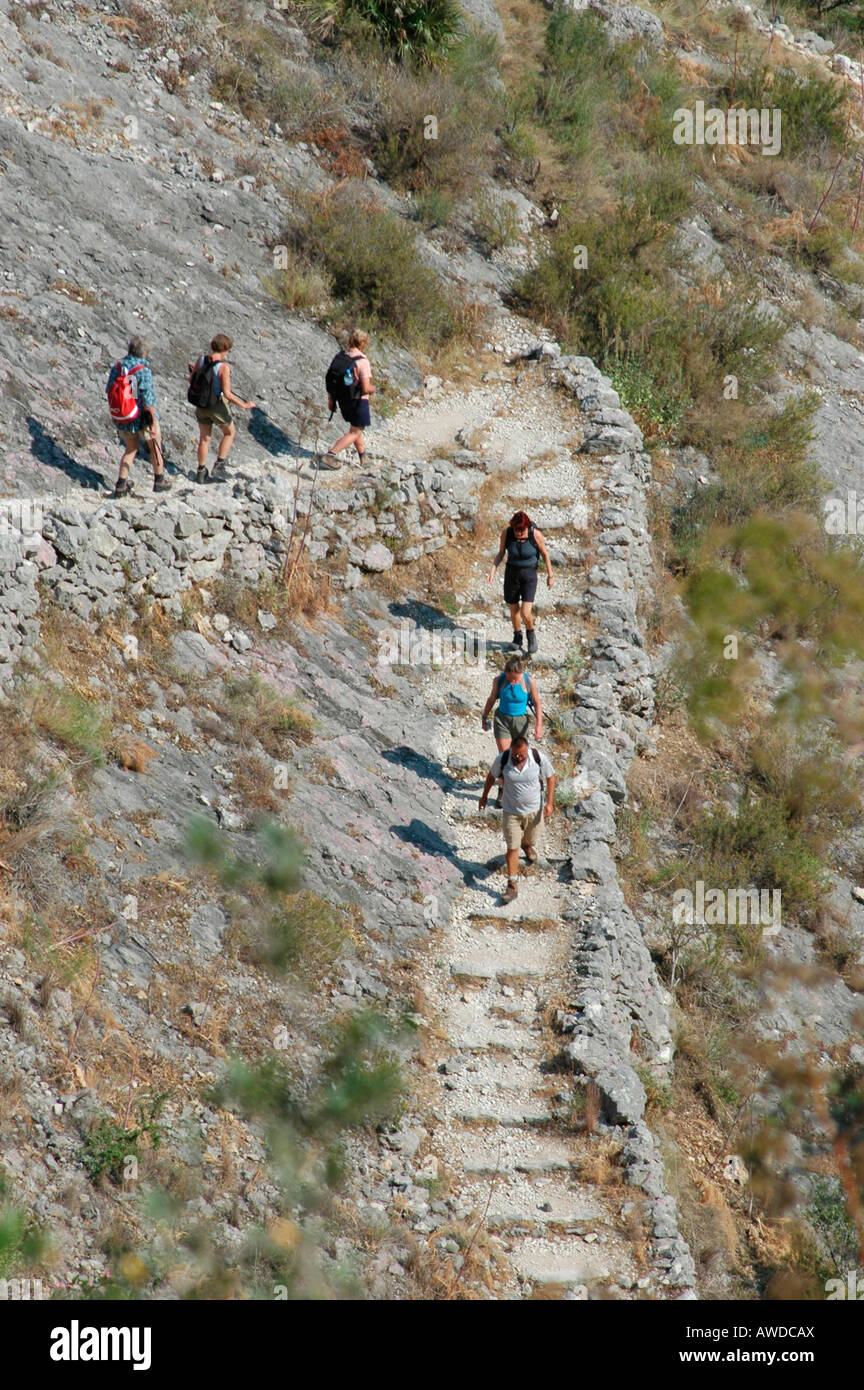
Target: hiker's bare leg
x=351 y=437
x=501 y=744
x=528 y=616
x=206 y=430
x=228 y=433
x=512 y=863
x=130 y=449
x=515 y=612
x=154 y=444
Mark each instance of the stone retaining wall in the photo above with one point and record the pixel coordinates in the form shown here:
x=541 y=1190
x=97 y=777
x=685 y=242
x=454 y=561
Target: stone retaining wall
x=619 y=1015
x=93 y=556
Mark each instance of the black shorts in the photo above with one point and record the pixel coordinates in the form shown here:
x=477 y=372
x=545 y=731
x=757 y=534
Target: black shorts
x=520 y=585
x=356 y=413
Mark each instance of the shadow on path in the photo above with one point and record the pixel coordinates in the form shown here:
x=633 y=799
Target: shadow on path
x=44 y=448
x=421 y=835
x=429 y=771
x=274 y=438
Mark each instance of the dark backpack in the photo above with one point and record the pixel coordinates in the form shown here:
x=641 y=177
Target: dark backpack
x=341 y=379
x=204 y=390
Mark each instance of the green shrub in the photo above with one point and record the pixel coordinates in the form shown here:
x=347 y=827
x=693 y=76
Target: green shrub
x=299 y=286
x=591 y=90
x=466 y=107
x=76 y=723
x=375 y=269
x=433 y=207
x=22 y=1240
x=812 y=108
x=414 y=31
x=764 y=466
x=259 y=713
x=762 y=846
x=494 y=221
x=307 y=933
x=109 y=1144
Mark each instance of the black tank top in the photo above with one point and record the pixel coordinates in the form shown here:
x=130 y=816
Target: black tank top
x=521 y=555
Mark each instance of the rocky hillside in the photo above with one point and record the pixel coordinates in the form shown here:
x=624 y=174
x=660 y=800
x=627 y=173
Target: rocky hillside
x=265 y=1027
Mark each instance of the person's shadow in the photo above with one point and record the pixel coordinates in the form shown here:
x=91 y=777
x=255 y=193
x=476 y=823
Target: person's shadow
x=422 y=836
x=428 y=770
x=274 y=439
x=44 y=448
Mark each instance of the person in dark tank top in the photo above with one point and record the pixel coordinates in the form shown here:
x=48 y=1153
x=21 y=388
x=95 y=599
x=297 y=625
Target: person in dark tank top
x=523 y=545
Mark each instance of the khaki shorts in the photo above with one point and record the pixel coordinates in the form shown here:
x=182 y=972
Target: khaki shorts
x=523 y=830
x=511 y=725
x=218 y=414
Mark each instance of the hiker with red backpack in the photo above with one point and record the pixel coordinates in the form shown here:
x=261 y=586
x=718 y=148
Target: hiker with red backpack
x=210 y=393
x=348 y=382
x=132 y=404
x=524 y=770
x=523 y=545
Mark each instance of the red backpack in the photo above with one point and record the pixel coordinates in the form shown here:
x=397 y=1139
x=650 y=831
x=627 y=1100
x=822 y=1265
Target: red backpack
x=122 y=402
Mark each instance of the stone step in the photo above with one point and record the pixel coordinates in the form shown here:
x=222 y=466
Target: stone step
x=473 y=1107
x=526 y=922
x=493 y=953
x=509 y=1152
x=566 y=1262
x=518 y=1200
x=475 y=1029
x=540 y=895
x=515 y=959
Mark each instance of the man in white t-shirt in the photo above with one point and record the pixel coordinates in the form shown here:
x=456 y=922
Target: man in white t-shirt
x=523 y=771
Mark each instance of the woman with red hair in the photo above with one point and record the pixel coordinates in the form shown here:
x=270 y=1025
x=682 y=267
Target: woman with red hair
x=523 y=545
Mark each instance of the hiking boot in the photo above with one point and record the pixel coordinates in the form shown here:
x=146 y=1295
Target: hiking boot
x=532 y=642
x=161 y=483
x=510 y=892
x=329 y=460
x=123 y=489
x=516 y=644
x=530 y=854
x=219 y=472
x=201 y=475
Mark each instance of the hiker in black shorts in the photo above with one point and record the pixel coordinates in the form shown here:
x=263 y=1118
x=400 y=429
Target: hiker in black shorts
x=352 y=399
x=523 y=545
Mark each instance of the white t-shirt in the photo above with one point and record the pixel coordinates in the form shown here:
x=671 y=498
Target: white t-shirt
x=521 y=795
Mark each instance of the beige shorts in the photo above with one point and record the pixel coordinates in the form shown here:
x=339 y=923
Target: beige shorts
x=218 y=414
x=523 y=830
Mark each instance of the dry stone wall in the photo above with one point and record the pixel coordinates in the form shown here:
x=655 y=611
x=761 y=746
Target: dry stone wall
x=619 y=1012
x=93 y=557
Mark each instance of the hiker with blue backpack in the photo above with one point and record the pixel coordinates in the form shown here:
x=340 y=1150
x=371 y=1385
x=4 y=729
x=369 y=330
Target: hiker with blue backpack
x=513 y=691
x=523 y=545
x=348 y=382
x=526 y=807
x=210 y=393
x=132 y=406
